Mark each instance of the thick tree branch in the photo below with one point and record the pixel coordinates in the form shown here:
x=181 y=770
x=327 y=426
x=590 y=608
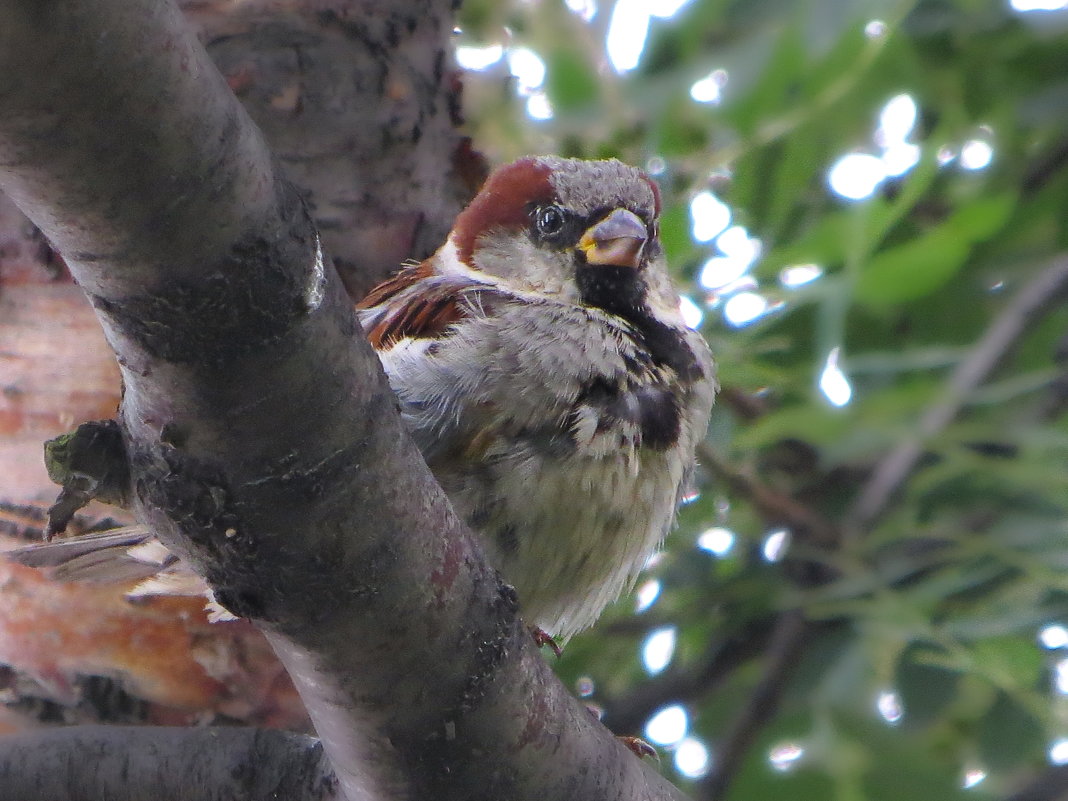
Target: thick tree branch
x=304 y=71
x=262 y=435
x=1041 y=294
x=134 y=763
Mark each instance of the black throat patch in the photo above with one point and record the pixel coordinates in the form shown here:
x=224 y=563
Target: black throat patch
x=617 y=290
x=621 y=291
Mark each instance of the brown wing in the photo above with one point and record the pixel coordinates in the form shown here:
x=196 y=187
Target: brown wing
x=405 y=278
x=415 y=303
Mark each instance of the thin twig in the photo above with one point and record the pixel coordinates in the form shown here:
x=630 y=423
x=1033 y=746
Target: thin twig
x=1051 y=785
x=687 y=683
x=747 y=406
x=776 y=507
x=761 y=705
x=1034 y=300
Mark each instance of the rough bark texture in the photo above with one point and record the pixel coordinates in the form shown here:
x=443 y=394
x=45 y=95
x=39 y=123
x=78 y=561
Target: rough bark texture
x=304 y=72
x=263 y=439
x=384 y=181
x=132 y=763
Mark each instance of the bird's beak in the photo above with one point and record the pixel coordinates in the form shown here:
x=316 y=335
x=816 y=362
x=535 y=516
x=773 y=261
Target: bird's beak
x=617 y=240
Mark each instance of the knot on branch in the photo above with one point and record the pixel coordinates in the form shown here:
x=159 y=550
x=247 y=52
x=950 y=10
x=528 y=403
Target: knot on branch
x=89 y=463
x=195 y=495
x=493 y=650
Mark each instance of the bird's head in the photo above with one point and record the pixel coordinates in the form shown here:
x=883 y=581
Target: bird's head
x=581 y=231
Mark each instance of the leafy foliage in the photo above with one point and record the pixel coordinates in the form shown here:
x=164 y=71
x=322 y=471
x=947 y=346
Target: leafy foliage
x=918 y=670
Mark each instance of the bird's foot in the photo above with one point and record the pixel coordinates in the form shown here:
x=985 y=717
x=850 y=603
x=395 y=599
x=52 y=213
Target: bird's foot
x=639 y=747
x=542 y=638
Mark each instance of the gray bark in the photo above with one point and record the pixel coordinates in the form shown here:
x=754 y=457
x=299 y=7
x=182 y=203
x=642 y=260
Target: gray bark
x=129 y=763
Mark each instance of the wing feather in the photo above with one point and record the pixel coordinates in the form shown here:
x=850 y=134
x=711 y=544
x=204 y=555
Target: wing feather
x=116 y=555
x=416 y=303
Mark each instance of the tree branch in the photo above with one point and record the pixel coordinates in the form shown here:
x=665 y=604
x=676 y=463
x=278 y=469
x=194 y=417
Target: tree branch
x=264 y=443
x=1050 y=785
x=1041 y=294
x=305 y=71
x=688 y=683
x=138 y=763
x=781 y=658
x=777 y=508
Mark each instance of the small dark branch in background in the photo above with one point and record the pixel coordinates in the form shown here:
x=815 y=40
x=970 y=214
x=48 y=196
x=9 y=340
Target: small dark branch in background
x=147 y=763
x=1052 y=785
x=747 y=406
x=775 y=507
x=1045 y=167
x=687 y=683
x=1056 y=400
x=1035 y=299
x=782 y=653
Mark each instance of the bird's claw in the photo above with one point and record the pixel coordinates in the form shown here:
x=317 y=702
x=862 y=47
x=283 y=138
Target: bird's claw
x=639 y=747
x=542 y=638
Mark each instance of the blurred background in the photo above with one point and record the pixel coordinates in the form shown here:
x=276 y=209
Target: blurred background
x=864 y=203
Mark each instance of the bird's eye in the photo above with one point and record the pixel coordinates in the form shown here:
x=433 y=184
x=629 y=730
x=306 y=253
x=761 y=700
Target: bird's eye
x=549 y=220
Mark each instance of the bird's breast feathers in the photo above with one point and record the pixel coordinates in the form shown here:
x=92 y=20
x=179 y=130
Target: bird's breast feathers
x=557 y=431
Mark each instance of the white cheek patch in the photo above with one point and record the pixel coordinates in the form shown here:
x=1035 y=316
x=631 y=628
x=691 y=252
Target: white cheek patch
x=522 y=266
x=407 y=349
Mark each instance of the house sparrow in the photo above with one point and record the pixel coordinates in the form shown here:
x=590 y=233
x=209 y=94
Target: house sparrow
x=546 y=374
x=544 y=370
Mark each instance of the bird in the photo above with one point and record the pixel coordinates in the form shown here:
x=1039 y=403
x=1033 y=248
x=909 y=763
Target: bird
x=543 y=367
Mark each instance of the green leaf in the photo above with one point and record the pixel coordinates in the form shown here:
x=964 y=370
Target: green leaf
x=926 y=690
x=1009 y=735
x=819 y=423
x=675 y=233
x=1010 y=662
x=912 y=270
x=925 y=264
x=570 y=81
x=773 y=90
x=983 y=217
x=680 y=129
x=823 y=243
x=797 y=169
